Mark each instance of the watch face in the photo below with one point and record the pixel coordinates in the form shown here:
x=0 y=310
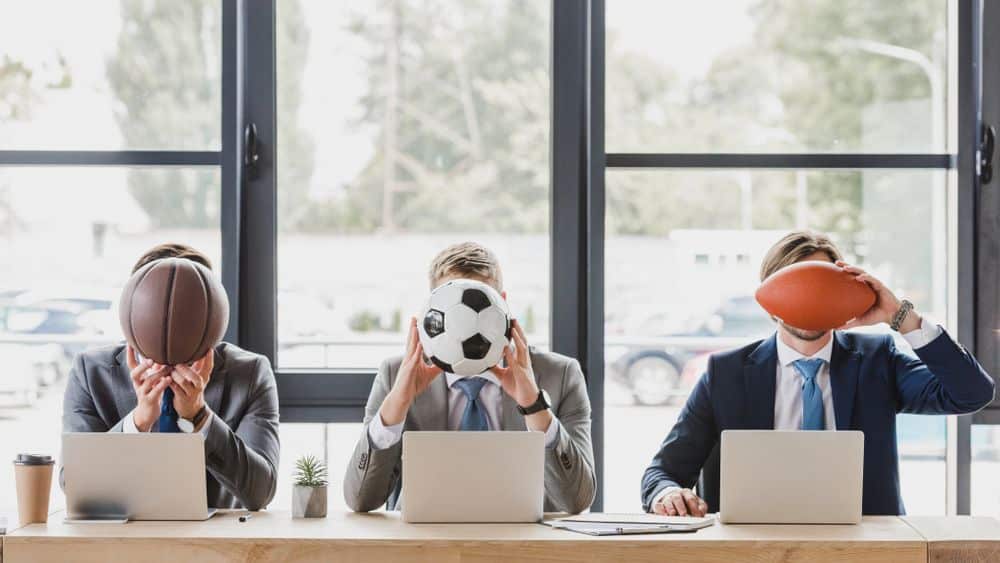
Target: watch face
x=185 y=425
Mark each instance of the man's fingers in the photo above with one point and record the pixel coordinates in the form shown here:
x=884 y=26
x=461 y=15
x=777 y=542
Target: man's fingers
x=519 y=336
x=189 y=376
x=678 y=502
x=693 y=503
x=185 y=382
x=130 y=358
x=144 y=386
x=139 y=370
x=665 y=508
x=411 y=337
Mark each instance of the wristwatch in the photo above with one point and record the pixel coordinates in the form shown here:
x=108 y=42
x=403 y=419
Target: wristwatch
x=188 y=426
x=905 y=307
x=541 y=403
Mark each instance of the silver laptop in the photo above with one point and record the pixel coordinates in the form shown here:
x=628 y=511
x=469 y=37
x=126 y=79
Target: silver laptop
x=473 y=476
x=115 y=476
x=791 y=477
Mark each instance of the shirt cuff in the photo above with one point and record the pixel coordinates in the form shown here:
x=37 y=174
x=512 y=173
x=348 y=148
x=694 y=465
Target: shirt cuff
x=384 y=437
x=128 y=424
x=207 y=423
x=552 y=433
x=661 y=495
x=924 y=335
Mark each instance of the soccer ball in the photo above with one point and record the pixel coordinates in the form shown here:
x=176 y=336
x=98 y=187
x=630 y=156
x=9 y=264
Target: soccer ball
x=465 y=327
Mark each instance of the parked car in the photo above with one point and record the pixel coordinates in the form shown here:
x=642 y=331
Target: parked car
x=29 y=318
x=655 y=370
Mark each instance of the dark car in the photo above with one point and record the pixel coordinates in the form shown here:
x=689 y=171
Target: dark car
x=652 y=369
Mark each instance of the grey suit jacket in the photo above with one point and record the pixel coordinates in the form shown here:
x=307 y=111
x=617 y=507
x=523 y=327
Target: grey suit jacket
x=241 y=442
x=373 y=476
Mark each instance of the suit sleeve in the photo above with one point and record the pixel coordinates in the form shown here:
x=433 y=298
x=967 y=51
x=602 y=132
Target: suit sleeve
x=372 y=473
x=943 y=378
x=685 y=449
x=570 y=482
x=245 y=459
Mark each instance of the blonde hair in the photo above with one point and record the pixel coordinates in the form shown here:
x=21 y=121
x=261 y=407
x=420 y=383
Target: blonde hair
x=795 y=246
x=467 y=260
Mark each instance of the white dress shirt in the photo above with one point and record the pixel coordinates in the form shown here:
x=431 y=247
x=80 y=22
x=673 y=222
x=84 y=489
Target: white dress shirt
x=129 y=427
x=490 y=399
x=789 y=382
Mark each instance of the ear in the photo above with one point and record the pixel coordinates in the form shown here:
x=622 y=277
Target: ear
x=504 y=294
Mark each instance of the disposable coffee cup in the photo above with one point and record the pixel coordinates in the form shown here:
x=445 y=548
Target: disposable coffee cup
x=33 y=474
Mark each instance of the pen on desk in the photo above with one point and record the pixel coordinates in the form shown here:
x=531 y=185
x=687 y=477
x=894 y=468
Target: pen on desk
x=245 y=517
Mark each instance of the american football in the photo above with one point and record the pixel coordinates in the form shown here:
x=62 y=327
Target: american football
x=814 y=295
x=464 y=327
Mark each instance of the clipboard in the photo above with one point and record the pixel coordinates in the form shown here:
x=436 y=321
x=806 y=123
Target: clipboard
x=620 y=529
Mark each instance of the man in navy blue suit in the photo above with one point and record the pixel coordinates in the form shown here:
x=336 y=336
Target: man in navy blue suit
x=817 y=380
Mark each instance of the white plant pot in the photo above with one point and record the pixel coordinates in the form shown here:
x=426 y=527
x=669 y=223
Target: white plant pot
x=308 y=502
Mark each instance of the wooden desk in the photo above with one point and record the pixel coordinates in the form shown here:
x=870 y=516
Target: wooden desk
x=384 y=537
x=959 y=538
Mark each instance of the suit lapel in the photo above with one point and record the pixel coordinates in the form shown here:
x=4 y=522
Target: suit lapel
x=215 y=391
x=845 y=365
x=124 y=393
x=430 y=408
x=759 y=373
x=510 y=419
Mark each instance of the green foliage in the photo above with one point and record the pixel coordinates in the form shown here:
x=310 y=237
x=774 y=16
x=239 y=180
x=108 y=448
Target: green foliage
x=166 y=75
x=462 y=139
x=310 y=472
x=365 y=321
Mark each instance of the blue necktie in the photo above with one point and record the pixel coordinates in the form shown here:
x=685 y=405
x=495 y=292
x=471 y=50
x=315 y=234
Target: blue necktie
x=812 y=398
x=474 y=417
x=168 y=416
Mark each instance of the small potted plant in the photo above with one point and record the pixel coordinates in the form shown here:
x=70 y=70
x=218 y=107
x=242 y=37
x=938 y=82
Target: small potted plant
x=309 y=491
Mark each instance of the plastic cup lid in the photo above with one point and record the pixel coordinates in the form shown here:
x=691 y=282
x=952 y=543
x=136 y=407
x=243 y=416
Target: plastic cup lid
x=33 y=459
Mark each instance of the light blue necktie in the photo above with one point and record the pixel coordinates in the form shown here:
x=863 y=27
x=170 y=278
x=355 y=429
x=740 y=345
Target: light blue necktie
x=474 y=417
x=812 y=398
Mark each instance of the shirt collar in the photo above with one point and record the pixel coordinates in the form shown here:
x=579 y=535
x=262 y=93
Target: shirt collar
x=787 y=355
x=451 y=378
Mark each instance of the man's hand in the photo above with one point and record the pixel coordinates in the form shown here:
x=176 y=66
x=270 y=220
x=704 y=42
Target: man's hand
x=189 y=382
x=149 y=381
x=518 y=379
x=885 y=307
x=680 y=502
x=414 y=375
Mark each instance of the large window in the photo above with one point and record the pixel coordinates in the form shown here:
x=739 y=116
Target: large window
x=404 y=127
x=137 y=86
x=629 y=161
x=707 y=117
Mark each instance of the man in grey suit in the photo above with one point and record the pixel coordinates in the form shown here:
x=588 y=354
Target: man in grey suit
x=411 y=394
x=230 y=396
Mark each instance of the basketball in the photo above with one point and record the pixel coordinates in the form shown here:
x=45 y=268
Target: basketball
x=173 y=311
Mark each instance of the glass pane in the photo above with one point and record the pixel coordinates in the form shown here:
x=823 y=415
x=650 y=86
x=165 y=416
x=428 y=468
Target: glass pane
x=985 y=490
x=683 y=253
x=404 y=127
x=125 y=74
x=332 y=443
x=776 y=76
x=68 y=240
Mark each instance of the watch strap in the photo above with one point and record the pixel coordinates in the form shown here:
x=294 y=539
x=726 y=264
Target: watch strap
x=540 y=404
x=904 y=310
x=200 y=416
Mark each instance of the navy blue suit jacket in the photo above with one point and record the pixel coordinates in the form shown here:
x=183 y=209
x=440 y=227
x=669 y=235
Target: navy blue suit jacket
x=871 y=381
